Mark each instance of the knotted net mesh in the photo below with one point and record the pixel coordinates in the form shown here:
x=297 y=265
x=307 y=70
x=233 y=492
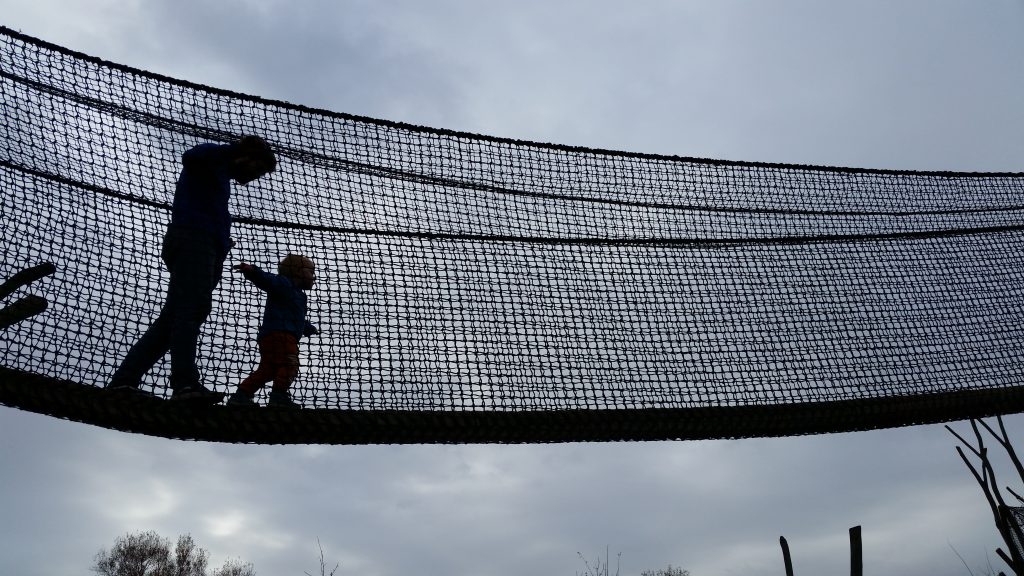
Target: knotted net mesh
x=465 y=273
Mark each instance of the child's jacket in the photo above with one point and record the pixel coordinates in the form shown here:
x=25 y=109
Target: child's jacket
x=286 y=305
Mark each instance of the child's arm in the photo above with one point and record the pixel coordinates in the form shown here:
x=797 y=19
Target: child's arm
x=253 y=274
x=263 y=280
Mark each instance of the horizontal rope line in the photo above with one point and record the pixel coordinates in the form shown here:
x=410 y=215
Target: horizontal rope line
x=5 y=31
x=406 y=176
x=654 y=242
x=482 y=187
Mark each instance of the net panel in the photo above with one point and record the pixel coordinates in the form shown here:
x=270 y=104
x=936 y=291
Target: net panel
x=462 y=273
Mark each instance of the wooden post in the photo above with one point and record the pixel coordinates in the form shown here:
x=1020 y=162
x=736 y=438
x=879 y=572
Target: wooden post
x=29 y=305
x=22 y=309
x=785 y=555
x=856 y=553
x=26 y=276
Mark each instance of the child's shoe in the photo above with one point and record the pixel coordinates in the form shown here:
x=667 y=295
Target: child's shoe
x=281 y=400
x=242 y=398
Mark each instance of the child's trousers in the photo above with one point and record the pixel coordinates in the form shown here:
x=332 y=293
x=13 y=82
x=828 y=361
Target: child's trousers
x=279 y=362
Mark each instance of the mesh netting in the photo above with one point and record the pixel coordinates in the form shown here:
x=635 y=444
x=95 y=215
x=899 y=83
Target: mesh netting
x=1015 y=524
x=461 y=273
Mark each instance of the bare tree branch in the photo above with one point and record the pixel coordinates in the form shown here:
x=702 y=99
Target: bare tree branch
x=1015 y=495
x=964 y=442
x=985 y=475
x=323 y=565
x=982 y=482
x=969 y=571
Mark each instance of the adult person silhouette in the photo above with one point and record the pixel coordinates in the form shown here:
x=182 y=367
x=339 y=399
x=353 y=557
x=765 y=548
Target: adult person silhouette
x=195 y=246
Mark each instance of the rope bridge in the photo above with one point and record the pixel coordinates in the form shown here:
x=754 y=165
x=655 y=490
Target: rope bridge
x=479 y=289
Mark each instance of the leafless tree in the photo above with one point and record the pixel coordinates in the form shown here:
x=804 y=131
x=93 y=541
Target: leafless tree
x=139 y=554
x=236 y=568
x=323 y=565
x=599 y=569
x=149 y=554
x=982 y=470
x=670 y=571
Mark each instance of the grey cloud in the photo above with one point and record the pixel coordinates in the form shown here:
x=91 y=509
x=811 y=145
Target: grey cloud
x=484 y=509
x=924 y=85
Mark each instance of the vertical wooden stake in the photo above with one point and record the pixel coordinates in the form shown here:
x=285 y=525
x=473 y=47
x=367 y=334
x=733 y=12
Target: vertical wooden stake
x=25 y=277
x=21 y=310
x=29 y=305
x=856 y=553
x=785 y=555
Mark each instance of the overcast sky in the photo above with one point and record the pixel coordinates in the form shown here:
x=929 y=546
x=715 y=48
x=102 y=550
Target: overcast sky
x=924 y=84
